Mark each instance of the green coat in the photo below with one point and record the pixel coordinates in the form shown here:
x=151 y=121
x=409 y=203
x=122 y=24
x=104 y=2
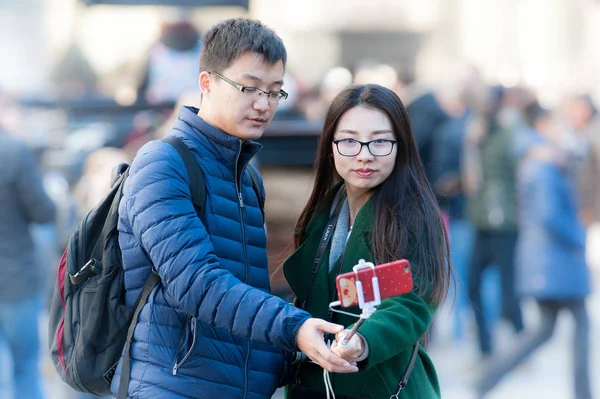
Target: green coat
x=390 y=333
x=494 y=205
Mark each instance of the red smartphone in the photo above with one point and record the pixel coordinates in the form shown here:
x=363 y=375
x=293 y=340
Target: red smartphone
x=394 y=278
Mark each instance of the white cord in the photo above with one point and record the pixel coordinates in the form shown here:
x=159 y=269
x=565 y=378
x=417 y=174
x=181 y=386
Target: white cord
x=327 y=380
x=328 y=386
x=337 y=303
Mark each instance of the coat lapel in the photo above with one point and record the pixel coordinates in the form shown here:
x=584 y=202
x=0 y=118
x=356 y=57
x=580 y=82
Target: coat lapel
x=297 y=268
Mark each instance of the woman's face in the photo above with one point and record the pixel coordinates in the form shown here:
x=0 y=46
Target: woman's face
x=356 y=164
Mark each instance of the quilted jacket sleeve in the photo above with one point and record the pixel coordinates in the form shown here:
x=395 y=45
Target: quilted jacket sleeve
x=160 y=211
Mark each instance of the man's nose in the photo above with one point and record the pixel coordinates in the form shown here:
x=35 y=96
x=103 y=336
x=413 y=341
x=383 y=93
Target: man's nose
x=261 y=103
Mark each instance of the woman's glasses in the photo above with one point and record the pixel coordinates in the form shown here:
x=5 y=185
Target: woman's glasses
x=351 y=147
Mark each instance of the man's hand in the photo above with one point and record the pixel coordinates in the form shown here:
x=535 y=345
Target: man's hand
x=310 y=341
x=355 y=347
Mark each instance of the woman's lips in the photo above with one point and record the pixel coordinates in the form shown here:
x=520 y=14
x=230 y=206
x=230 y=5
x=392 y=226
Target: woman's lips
x=364 y=172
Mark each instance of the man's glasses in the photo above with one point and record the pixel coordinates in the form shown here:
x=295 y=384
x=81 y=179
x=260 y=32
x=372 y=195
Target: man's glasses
x=254 y=92
x=377 y=148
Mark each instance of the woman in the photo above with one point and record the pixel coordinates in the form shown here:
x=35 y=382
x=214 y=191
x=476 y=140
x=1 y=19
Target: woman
x=371 y=193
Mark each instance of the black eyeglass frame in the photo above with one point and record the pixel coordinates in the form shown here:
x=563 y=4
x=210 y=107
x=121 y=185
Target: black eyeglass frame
x=362 y=144
x=282 y=95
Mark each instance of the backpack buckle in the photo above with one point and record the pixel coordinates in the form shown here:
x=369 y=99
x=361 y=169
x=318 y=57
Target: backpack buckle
x=88 y=270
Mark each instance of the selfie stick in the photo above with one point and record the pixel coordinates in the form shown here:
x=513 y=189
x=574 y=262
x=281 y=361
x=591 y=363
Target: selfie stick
x=368 y=308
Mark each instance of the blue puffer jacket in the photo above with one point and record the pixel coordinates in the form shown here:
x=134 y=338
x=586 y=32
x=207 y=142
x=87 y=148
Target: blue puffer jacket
x=210 y=329
x=550 y=253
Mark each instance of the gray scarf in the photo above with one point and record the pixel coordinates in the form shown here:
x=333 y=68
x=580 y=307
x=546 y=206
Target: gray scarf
x=342 y=228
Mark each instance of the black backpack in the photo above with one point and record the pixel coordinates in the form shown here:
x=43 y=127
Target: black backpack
x=90 y=326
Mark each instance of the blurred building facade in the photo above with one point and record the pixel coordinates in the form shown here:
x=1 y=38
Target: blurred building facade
x=546 y=44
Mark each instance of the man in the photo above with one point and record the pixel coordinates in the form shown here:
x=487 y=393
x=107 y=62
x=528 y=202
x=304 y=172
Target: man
x=210 y=329
x=24 y=201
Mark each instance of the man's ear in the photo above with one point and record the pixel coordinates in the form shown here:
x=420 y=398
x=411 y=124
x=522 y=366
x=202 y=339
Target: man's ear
x=204 y=82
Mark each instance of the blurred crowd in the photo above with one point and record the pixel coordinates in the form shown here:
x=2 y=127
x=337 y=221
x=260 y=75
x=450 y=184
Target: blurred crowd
x=517 y=180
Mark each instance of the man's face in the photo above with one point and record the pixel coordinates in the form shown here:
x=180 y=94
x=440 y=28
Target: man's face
x=243 y=114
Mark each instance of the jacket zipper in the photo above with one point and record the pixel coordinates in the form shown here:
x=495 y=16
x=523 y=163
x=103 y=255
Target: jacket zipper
x=238 y=188
x=178 y=365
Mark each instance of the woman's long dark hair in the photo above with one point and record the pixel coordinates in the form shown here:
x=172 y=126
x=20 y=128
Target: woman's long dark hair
x=408 y=220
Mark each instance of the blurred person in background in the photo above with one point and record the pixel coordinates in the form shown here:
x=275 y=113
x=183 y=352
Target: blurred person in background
x=374 y=72
x=583 y=135
x=440 y=118
x=334 y=81
x=172 y=64
x=311 y=104
x=289 y=110
x=314 y=102
x=406 y=87
x=447 y=185
x=426 y=116
x=192 y=98
x=489 y=177
x=73 y=74
x=550 y=254
x=94 y=183
x=24 y=201
x=589 y=189
x=580 y=118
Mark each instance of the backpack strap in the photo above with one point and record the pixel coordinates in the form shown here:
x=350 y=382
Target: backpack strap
x=120 y=174
x=256 y=186
x=195 y=173
x=152 y=281
x=196 y=176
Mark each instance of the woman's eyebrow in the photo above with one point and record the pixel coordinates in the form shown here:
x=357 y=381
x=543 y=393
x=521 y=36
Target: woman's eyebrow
x=382 y=131
x=350 y=131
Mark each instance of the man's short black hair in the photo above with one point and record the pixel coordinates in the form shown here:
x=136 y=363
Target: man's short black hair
x=228 y=40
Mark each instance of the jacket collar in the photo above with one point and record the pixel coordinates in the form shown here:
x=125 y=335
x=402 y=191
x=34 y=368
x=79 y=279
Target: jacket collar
x=224 y=146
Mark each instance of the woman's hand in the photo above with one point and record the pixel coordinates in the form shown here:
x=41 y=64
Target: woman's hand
x=351 y=352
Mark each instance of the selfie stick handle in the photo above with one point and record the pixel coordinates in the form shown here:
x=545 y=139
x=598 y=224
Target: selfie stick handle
x=346 y=339
x=368 y=308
